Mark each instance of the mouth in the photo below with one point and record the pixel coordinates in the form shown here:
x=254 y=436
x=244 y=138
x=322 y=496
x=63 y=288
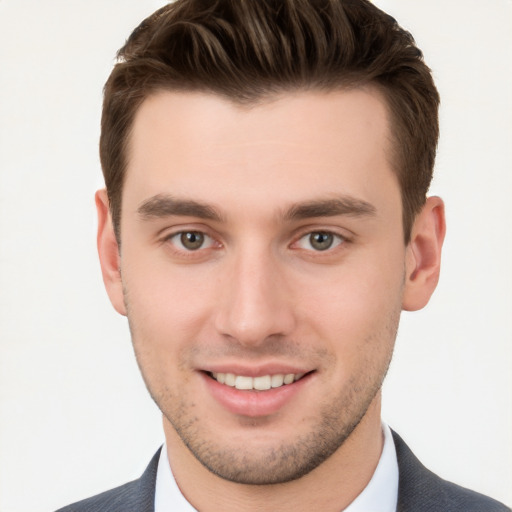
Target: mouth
x=251 y=392
x=261 y=383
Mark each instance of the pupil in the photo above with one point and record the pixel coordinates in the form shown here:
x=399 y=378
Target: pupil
x=192 y=240
x=321 y=241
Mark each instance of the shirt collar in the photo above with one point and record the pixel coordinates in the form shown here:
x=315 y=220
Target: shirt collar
x=380 y=495
x=167 y=493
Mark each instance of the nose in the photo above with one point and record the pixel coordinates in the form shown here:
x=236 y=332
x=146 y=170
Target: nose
x=255 y=303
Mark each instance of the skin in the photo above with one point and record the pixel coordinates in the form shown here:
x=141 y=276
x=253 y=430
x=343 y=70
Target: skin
x=255 y=295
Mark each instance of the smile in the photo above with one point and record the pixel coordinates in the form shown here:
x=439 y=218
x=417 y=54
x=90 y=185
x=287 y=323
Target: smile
x=262 y=383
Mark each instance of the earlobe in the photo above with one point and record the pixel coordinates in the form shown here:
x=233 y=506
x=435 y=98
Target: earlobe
x=423 y=258
x=108 y=251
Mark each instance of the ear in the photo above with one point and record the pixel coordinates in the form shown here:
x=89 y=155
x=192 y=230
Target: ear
x=108 y=250
x=423 y=255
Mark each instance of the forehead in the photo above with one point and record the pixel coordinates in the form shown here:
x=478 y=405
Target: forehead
x=285 y=149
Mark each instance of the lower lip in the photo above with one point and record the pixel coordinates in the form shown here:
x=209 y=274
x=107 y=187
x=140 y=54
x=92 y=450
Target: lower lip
x=254 y=403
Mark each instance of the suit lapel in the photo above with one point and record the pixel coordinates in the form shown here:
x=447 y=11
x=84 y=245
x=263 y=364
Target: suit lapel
x=144 y=492
x=420 y=490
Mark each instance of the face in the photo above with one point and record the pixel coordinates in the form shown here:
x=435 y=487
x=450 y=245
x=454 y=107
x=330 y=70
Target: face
x=263 y=266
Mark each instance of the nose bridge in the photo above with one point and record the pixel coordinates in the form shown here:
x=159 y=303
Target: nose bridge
x=254 y=305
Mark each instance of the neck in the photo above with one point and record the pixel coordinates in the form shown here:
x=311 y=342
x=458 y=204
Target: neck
x=332 y=486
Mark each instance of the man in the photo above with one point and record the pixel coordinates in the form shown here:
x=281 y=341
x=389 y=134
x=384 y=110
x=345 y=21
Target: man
x=264 y=223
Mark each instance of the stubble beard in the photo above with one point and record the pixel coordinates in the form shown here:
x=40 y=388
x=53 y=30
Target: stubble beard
x=292 y=459
x=273 y=465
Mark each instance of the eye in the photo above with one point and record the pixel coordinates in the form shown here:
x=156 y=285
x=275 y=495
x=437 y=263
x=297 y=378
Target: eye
x=191 y=240
x=320 y=241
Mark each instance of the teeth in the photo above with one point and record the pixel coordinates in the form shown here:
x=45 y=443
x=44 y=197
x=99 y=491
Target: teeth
x=262 y=383
x=288 y=379
x=277 y=381
x=243 y=382
x=259 y=383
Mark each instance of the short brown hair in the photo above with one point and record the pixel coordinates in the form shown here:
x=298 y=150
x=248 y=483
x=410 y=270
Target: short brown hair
x=247 y=50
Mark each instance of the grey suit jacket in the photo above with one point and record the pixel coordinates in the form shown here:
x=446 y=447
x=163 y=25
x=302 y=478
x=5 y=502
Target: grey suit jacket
x=419 y=490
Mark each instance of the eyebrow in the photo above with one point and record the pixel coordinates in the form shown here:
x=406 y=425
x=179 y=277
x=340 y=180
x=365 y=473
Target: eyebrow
x=344 y=205
x=166 y=206
x=161 y=206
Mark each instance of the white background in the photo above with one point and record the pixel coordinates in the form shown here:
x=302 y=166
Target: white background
x=75 y=418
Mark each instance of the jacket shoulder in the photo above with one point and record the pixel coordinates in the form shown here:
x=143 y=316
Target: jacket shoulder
x=467 y=500
x=135 y=496
x=420 y=490
x=108 y=501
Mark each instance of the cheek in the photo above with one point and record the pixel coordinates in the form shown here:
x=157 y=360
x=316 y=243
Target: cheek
x=356 y=304
x=166 y=302
x=165 y=317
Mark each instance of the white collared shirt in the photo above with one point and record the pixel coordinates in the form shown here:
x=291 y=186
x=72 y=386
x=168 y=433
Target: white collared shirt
x=380 y=495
